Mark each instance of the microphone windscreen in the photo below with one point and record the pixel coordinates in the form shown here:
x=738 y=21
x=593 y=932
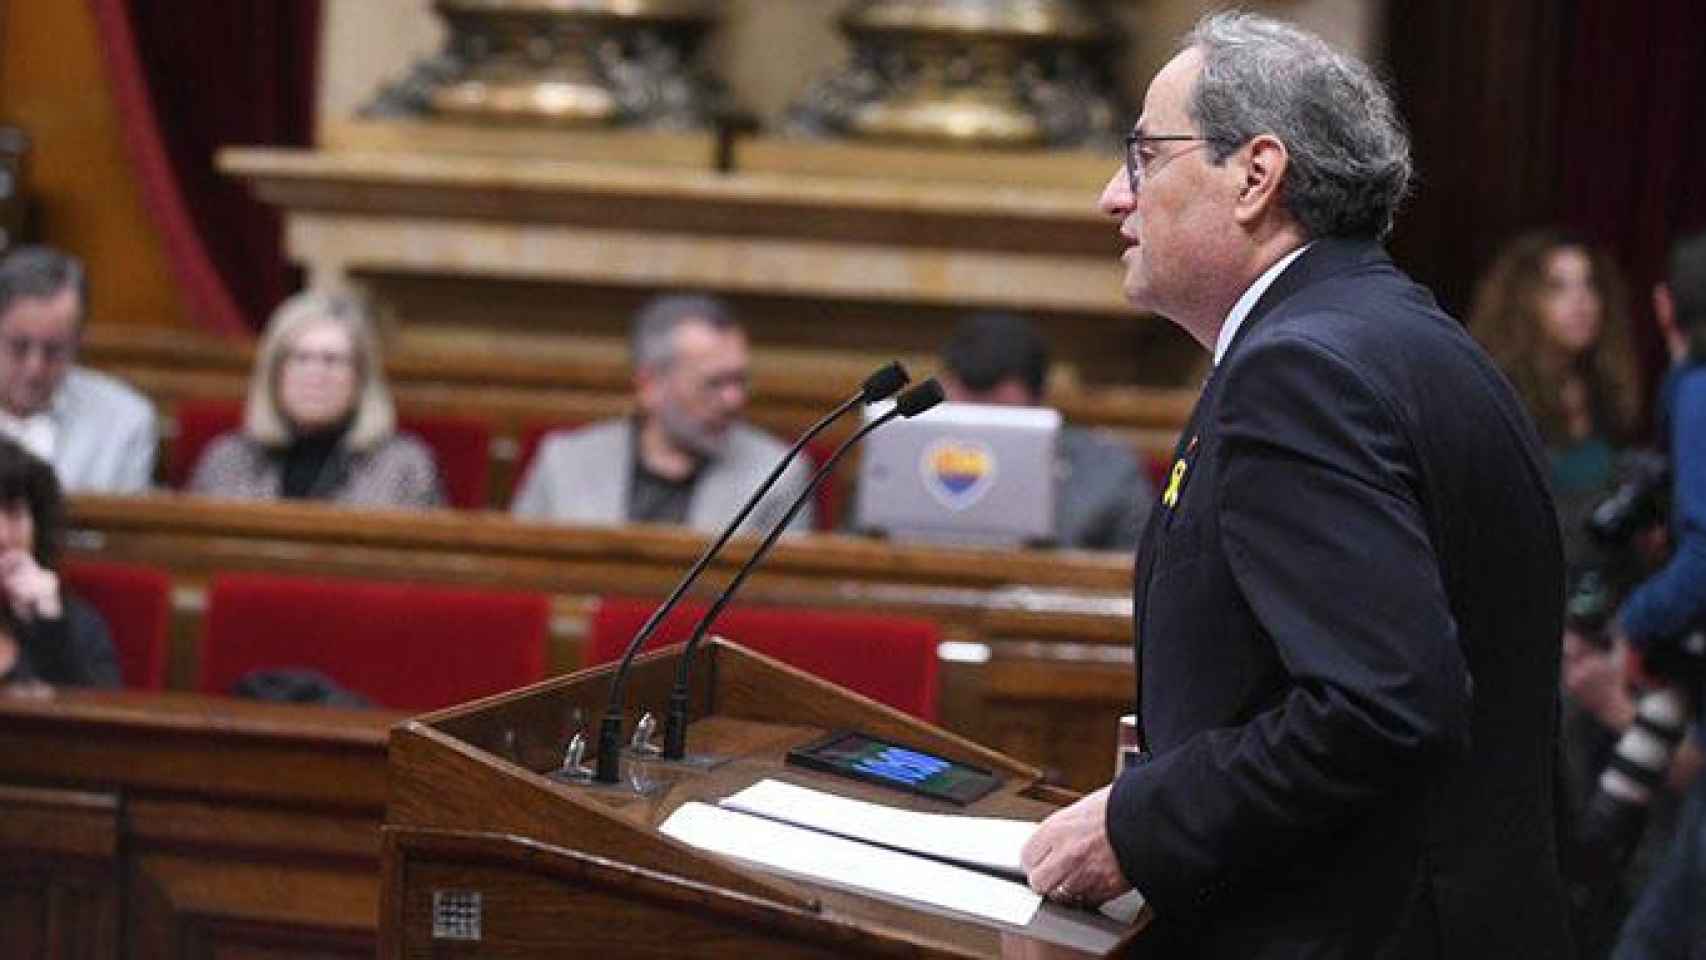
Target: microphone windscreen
x=920 y=398
x=885 y=382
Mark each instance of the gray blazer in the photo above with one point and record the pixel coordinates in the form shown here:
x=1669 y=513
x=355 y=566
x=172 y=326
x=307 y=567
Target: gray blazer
x=398 y=472
x=582 y=476
x=106 y=435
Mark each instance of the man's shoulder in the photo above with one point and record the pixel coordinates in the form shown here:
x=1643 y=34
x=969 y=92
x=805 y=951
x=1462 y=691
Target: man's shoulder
x=112 y=396
x=747 y=440
x=1376 y=318
x=571 y=439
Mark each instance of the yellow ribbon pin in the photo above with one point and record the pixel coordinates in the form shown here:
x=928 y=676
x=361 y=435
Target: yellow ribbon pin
x=1171 y=497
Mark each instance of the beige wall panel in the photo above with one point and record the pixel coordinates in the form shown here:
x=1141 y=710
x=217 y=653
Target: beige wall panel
x=365 y=44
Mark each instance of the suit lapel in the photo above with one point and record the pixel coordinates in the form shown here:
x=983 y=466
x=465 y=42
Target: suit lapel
x=1323 y=259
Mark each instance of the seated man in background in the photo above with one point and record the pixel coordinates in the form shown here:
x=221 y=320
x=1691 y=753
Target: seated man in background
x=1104 y=496
x=684 y=456
x=96 y=432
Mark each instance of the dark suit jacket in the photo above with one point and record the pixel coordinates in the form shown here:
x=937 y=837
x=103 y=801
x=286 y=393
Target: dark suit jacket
x=1348 y=643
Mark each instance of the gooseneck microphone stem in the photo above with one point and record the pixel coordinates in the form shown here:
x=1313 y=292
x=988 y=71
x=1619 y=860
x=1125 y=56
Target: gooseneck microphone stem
x=608 y=769
x=913 y=402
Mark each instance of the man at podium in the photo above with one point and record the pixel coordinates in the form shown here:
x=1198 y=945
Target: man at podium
x=1347 y=599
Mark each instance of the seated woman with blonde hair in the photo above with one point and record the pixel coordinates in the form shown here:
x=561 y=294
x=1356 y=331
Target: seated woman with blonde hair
x=319 y=423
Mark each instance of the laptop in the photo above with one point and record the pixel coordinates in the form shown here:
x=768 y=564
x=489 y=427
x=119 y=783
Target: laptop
x=962 y=473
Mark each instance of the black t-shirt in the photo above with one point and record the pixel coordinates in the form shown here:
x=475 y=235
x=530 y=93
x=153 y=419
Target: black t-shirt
x=655 y=499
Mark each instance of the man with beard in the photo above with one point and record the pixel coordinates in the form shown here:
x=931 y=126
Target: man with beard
x=684 y=456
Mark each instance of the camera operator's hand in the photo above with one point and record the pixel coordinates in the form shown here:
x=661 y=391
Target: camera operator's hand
x=1664 y=311
x=32 y=591
x=1597 y=680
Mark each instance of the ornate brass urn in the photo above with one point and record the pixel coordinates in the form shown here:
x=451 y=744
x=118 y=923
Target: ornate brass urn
x=574 y=63
x=1008 y=73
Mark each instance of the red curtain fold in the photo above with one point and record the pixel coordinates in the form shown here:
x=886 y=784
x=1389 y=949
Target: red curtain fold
x=1632 y=136
x=1477 y=83
x=189 y=77
x=1578 y=113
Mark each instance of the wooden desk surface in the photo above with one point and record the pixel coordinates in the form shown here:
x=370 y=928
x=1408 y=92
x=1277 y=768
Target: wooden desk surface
x=1042 y=667
x=234 y=825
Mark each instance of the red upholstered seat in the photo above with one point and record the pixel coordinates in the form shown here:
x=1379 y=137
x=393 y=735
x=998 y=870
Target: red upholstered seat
x=827 y=500
x=136 y=602
x=463 y=448
x=408 y=646
x=199 y=422
x=1158 y=467
x=889 y=659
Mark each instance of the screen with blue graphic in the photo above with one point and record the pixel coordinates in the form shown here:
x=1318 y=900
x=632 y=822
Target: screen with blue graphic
x=867 y=758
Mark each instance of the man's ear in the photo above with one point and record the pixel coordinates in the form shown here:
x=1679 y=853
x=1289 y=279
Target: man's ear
x=1264 y=164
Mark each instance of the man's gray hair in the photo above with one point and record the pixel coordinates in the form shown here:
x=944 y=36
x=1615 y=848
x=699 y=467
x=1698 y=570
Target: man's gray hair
x=653 y=334
x=39 y=273
x=1349 y=154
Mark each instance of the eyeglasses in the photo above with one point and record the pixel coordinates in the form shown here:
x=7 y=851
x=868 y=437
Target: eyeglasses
x=52 y=351
x=1139 y=154
x=330 y=359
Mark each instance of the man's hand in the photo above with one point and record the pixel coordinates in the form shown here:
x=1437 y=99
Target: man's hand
x=1069 y=858
x=31 y=591
x=1596 y=679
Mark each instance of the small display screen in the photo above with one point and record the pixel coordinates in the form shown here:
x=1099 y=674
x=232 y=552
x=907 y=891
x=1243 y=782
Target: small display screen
x=873 y=760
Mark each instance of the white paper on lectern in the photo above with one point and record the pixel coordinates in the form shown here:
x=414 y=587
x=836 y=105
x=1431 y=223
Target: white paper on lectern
x=850 y=863
x=989 y=843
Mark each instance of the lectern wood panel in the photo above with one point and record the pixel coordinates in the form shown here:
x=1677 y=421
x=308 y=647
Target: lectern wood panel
x=212 y=826
x=59 y=891
x=539 y=866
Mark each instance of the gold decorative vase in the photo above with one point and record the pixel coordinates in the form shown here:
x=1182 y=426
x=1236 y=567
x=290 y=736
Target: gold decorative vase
x=565 y=63
x=970 y=73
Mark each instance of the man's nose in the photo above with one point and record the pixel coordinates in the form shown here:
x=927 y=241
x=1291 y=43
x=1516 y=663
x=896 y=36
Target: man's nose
x=34 y=362
x=1116 y=197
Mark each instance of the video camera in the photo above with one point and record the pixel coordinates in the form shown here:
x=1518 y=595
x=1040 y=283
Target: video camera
x=1615 y=815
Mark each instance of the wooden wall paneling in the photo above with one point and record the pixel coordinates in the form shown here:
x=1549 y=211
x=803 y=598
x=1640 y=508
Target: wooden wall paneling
x=248 y=829
x=194 y=906
x=59 y=875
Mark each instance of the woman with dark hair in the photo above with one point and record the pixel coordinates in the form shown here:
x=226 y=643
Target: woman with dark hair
x=1554 y=313
x=46 y=635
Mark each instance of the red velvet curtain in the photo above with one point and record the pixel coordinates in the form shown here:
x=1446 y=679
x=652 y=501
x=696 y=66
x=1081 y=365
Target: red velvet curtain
x=1632 y=136
x=192 y=76
x=1477 y=83
x=1578 y=113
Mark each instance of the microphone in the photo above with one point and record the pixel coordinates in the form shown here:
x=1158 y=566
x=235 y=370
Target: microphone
x=909 y=404
x=880 y=385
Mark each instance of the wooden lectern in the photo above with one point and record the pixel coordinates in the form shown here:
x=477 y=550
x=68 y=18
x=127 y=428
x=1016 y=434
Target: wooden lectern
x=486 y=853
